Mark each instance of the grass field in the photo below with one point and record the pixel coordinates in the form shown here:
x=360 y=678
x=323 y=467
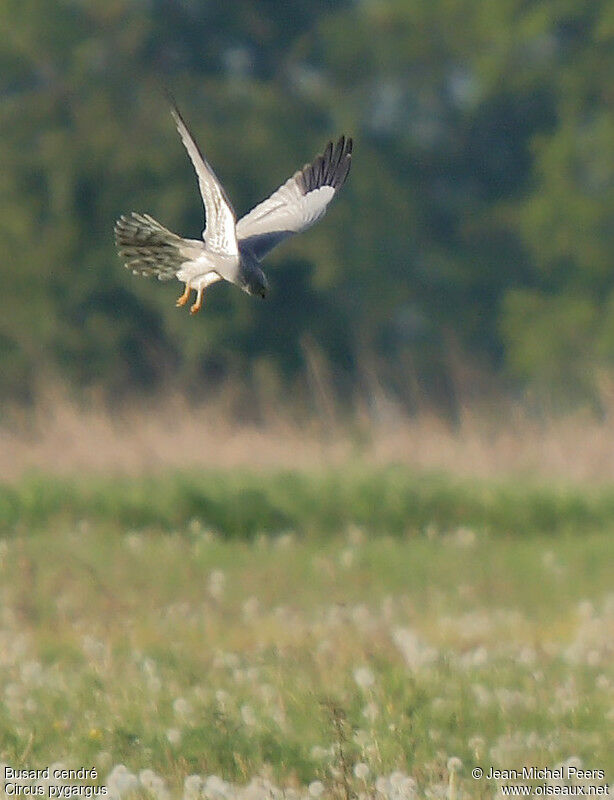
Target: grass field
x=348 y=634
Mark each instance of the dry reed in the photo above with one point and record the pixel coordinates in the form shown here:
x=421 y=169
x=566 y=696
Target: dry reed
x=65 y=437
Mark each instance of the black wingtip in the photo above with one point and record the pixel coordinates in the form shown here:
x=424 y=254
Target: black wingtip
x=329 y=169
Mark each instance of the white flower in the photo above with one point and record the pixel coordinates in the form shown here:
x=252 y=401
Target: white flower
x=318 y=752
x=409 y=788
x=416 y=653
x=250 y=608
x=121 y=781
x=396 y=778
x=464 y=537
x=355 y=535
x=195 y=526
x=316 y=788
x=192 y=787
x=222 y=698
x=147 y=778
x=248 y=716
x=32 y=672
x=364 y=677
x=361 y=771
x=370 y=711
x=216 y=584
x=134 y=541
x=158 y=788
x=215 y=787
x=182 y=708
x=173 y=735
x=285 y=540
x=602 y=682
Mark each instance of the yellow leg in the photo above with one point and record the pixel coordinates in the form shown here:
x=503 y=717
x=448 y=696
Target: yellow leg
x=199 y=301
x=184 y=297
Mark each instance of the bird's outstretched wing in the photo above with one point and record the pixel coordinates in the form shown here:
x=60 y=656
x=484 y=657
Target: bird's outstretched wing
x=300 y=202
x=220 y=219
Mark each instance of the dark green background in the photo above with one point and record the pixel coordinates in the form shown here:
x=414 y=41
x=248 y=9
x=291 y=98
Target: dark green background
x=477 y=226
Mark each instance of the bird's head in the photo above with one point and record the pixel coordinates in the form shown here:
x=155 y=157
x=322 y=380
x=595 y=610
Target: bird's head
x=252 y=278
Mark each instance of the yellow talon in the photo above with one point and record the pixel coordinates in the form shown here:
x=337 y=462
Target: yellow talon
x=199 y=302
x=184 y=297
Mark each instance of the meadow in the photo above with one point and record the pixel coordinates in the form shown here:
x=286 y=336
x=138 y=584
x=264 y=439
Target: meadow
x=355 y=633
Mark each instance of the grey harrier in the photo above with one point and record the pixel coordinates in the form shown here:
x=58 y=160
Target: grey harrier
x=231 y=250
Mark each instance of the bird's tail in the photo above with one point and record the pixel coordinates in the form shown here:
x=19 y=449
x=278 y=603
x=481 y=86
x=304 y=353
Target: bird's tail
x=148 y=248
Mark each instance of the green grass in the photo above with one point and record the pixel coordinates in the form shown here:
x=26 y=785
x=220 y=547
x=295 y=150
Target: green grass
x=147 y=641
x=241 y=504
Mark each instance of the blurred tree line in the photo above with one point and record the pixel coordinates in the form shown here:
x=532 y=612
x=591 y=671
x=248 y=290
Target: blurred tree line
x=477 y=224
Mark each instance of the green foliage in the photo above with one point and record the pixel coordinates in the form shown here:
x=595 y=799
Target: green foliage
x=551 y=340
x=245 y=504
x=482 y=191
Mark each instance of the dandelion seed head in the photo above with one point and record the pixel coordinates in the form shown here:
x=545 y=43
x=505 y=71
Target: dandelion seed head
x=147 y=778
x=285 y=540
x=362 y=618
x=585 y=609
x=316 y=789
x=32 y=673
x=454 y=764
x=216 y=584
x=250 y=609
x=279 y=718
x=31 y=706
x=215 y=788
x=173 y=736
x=396 y=779
x=464 y=537
x=182 y=707
x=120 y=781
x=409 y=788
x=248 y=716
x=355 y=535
x=267 y=692
x=319 y=753
x=222 y=698
x=192 y=787
x=134 y=541
x=361 y=771
x=416 y=653
x=602 y=682
x=195 y=526
x=364 y=678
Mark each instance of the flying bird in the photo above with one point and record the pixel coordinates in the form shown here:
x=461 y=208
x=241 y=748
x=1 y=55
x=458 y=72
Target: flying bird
x=231 y=250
